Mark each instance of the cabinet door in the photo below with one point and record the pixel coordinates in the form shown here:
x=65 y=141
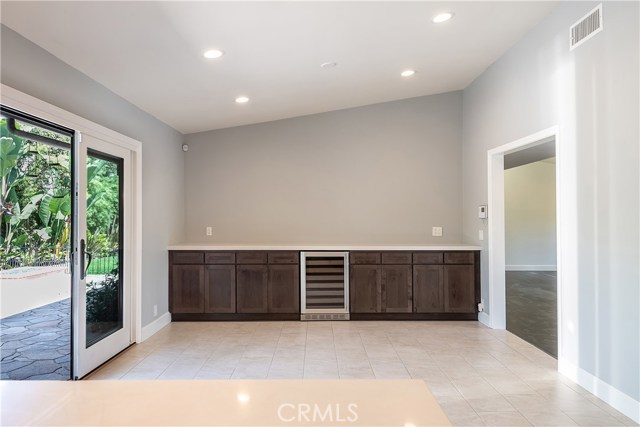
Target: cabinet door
x=365 y=289
x=459 y=289
x=284 y=289
x=220 y=289
x=252 y=288
x=396 y=288
x=187 y=289
x=428 y=289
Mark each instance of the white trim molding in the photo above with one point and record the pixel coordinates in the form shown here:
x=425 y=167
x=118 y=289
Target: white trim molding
x=496 y=222
x=531 y=267
x=155 y=326
x=484 y=318
x=609 y=394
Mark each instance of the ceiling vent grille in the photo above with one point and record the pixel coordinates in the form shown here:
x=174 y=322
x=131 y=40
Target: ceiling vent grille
x=585 y=28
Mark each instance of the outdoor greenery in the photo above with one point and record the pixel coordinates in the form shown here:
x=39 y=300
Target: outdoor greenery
x=35 y=201
x=102 y=300
x=103 y=265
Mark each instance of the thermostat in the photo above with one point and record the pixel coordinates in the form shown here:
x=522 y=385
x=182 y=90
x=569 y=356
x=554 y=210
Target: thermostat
x=482 y=211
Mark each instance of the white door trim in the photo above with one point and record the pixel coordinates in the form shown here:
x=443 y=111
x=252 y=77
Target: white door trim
x=496 y=232
x=34 y=106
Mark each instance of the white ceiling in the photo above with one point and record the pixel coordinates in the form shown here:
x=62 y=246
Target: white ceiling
x=150 y=53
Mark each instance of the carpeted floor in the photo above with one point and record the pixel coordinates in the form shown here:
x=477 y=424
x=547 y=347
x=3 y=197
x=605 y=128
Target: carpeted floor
x=532 y=308
x=35 y=344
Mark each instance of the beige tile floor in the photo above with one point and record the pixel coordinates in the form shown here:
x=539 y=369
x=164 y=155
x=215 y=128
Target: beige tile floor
x=480 y=376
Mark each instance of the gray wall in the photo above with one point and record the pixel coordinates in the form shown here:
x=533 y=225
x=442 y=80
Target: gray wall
x=384 y=173
x=592 y=94
x=30 y=69
x=530 y=216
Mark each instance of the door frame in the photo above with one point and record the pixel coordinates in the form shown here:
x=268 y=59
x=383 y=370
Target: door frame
x=29 y=104
x=496 y=225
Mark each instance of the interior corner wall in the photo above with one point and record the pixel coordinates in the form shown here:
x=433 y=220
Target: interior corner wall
x=592 y=95
x=32 y=70
x=530 y=216
x=383 y=173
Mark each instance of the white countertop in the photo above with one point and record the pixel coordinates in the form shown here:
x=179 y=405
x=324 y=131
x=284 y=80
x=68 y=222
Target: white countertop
x=301 y=247
x=220 y=403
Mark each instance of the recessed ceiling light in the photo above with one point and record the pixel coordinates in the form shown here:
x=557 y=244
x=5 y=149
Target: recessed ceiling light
x=213 y=54
x=242 y=99
x=442 y=17
x=328 y=64
x=407 y=73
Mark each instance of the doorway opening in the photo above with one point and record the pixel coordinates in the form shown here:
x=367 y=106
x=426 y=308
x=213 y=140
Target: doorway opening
x=35 y=253
x=530 y=246
x=531 y=283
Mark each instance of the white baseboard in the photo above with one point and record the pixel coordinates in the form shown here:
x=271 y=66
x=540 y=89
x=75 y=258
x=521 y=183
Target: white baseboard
x=611 y=395
x=156 y=325
x=531 y=267
x=484 y=319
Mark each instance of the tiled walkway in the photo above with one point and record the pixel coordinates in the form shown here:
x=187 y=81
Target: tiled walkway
x=479 y=376
x=35 y=345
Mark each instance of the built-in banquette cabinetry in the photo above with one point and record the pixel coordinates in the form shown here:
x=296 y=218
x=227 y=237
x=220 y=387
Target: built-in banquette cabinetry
x=227 y=285
x=254 y=285
x=414 y=285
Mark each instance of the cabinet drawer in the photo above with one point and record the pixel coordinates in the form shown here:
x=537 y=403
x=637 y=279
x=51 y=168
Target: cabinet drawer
x=187 y=257
x=396 y=257
x=427 y=257
x=283 y=257
x=458 y=257
x=252 y=257
x=220 y=257
x=364 y=258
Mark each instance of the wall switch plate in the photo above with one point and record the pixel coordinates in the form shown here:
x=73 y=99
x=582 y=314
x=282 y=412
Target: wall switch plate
x=155 y=310
x=209 y=231
x=480 y=234
x=436 y=231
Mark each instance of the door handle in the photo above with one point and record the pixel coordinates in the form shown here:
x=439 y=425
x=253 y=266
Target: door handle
x=83 y=253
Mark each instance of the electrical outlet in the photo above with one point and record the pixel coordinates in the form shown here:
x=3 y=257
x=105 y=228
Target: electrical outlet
x=480 y=234
x=436 y=231
x=209 y=231
x=155 y=310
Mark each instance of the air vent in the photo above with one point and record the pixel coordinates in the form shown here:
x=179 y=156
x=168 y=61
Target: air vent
x=335 y=316
x=585 y=28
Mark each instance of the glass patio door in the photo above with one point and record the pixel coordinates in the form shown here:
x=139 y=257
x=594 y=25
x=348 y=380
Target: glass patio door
x=102 y=297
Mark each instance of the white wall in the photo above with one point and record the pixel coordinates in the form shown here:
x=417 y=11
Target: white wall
x=530 y=216
x=30 y=69
x=592 y=94
x=383 y=173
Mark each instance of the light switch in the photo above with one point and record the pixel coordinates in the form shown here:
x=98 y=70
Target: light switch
x=480 y=234
x=436 y=231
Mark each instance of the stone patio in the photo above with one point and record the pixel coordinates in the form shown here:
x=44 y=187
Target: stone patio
x=35 y=344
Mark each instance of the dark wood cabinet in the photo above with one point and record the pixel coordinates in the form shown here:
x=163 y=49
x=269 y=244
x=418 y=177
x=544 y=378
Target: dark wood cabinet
x=397 y=288
x=459 y=295
x=365 y=289
x=263 y=285
x=380 y=289
x=220 y=288
x=252 y=290
x=187 y=290
x=428 y=288
x=415 y=285
x=284 y=289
